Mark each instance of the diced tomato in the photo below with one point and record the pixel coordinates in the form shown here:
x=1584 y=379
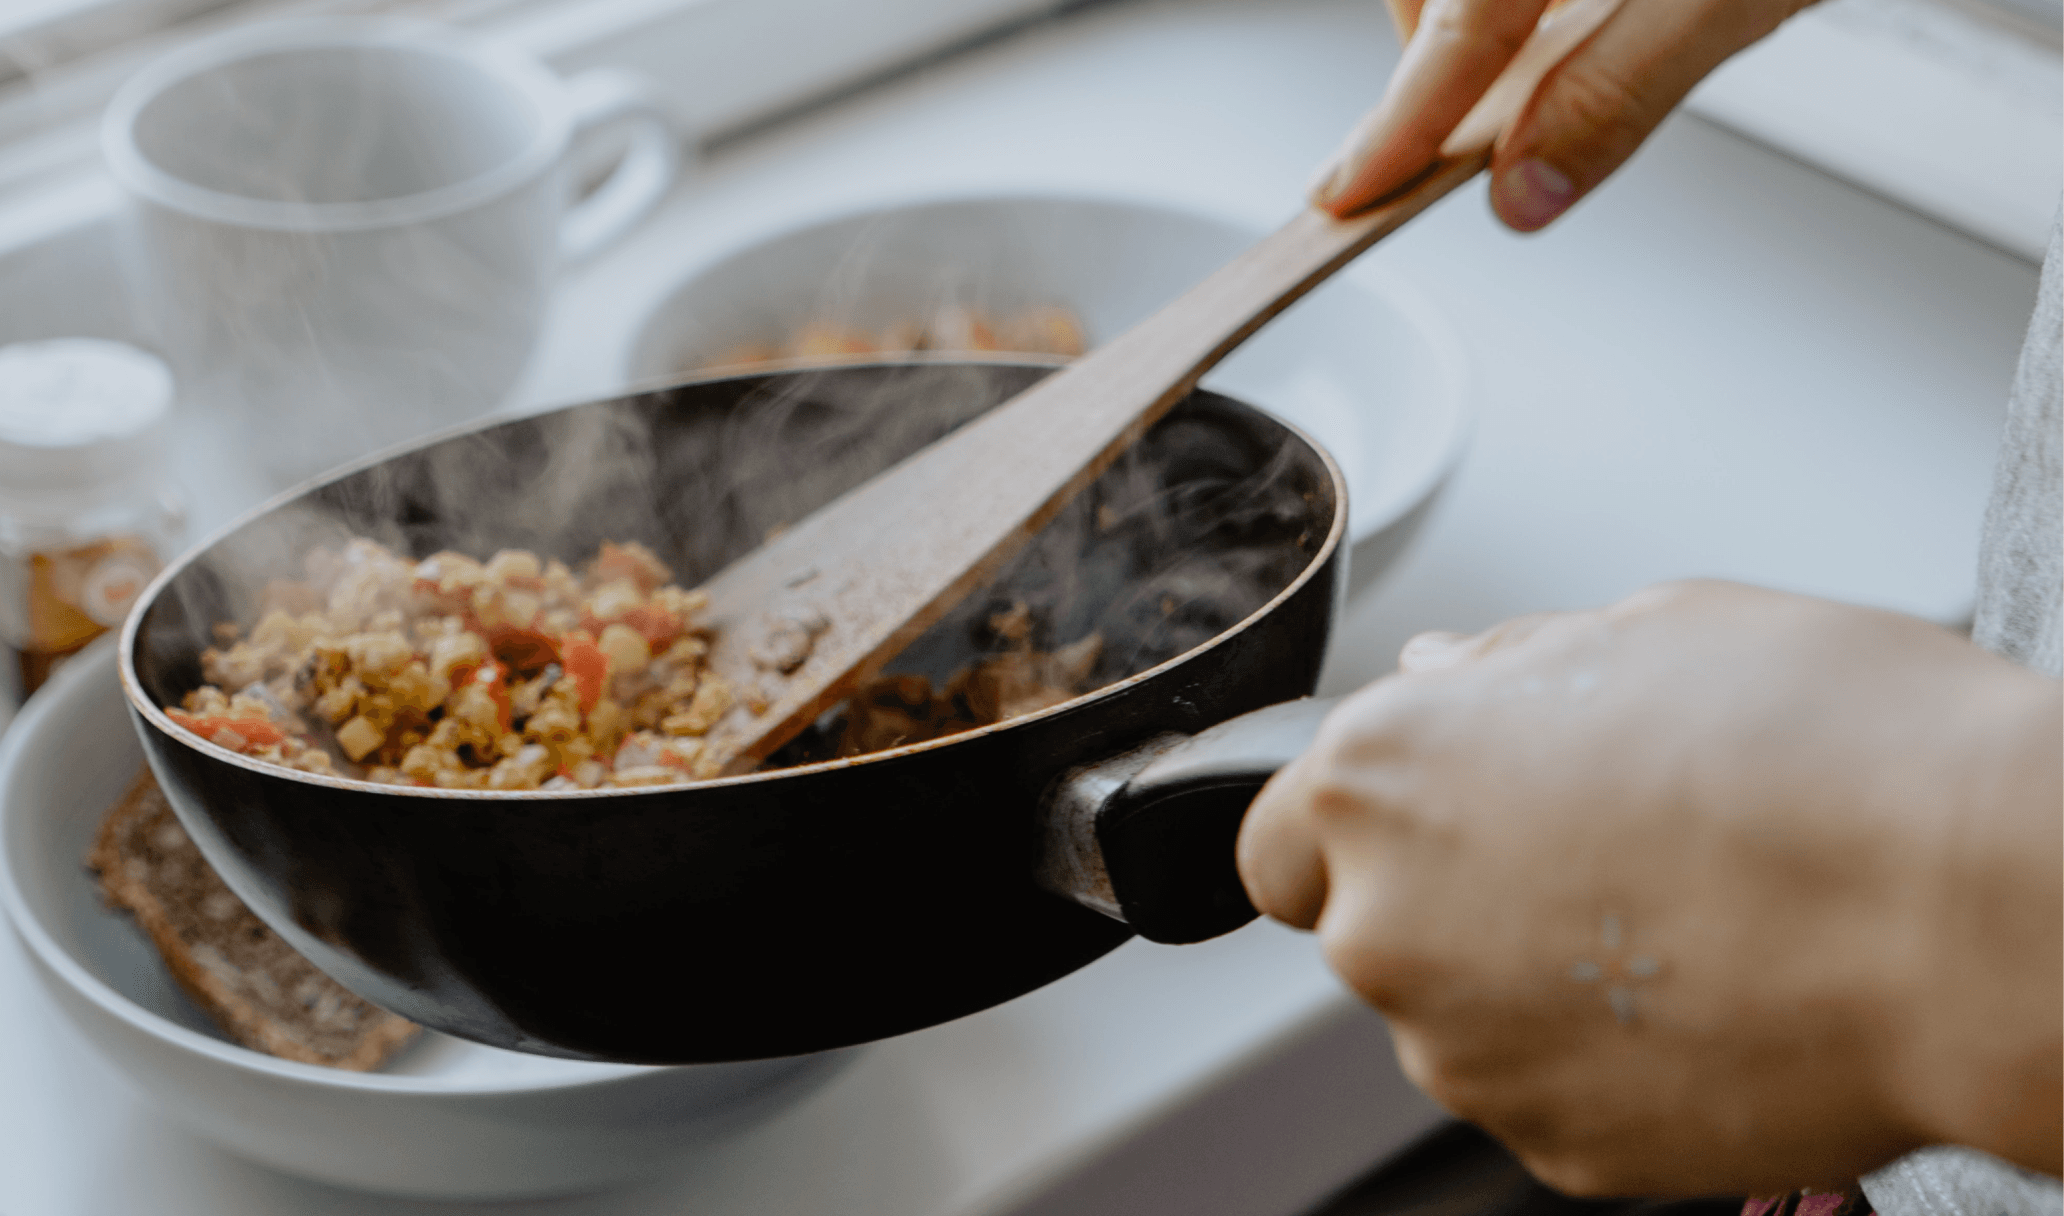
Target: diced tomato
x=495 y=678
x=256 y=732
x=522 y=649
x=588 y=667
x=615 y=561
x=498 y=688
x=658 y=626
x=435 y=597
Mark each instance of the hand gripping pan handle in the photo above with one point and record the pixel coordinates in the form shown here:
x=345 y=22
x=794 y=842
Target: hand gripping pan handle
x=1147 y=837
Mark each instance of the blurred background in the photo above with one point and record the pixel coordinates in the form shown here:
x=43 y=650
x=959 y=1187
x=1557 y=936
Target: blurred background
x=1775 y=348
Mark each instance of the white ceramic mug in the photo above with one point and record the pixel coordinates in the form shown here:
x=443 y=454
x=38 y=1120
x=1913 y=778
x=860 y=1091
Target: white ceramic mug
x=344 y=232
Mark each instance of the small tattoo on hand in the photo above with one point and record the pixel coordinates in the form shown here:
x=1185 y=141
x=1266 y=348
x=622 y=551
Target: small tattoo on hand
x=1620 y=976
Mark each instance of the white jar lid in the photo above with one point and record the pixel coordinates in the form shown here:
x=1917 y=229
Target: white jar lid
x=78 y=414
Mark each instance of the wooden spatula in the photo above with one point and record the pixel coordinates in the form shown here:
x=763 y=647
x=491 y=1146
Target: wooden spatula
x=805 y=617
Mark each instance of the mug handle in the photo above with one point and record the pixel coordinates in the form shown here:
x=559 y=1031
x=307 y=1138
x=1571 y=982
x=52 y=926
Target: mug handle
x=644 y=174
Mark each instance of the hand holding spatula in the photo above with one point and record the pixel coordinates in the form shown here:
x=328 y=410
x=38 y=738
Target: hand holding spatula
x=801 y=620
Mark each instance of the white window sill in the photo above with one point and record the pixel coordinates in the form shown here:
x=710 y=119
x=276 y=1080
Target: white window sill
x=723 y=64
x=1943 y=112
x=1922 y=103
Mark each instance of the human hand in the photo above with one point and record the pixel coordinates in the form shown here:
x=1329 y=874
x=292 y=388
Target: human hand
x=1714 y=891
x=1585 y=119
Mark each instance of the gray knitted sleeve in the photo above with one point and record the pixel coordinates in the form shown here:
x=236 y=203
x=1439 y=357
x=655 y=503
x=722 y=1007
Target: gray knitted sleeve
x=2021 y=560
x=2020 y=581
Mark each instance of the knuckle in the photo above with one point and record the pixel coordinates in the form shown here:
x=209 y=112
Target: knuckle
x=1443 y=1086
x=1517 y=630
x=1658 y=597
x=1677 y=595
x=1373 y=975
x=1482 y=1097
x=1426 y=1069
x=1373 y=958
x=1570 y=1150
x=1332 y=801
x=1599 y=113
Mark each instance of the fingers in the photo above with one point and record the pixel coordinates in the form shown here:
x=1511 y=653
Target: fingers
x=1404 y=14
x=1283 y=851
x=1587 y=117
x=1457 y=48
x=1517 y=632
x=1595 y=108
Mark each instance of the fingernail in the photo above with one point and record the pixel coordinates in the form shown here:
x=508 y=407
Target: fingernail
x=1532 y=193
x=1327 y=183
x=1431 y=651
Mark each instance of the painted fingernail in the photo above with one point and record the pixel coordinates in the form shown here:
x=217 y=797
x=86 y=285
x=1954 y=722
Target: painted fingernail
x=1532 y=193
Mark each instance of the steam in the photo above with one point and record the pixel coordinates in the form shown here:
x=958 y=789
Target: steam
x=1185 y=535
x=301 y=244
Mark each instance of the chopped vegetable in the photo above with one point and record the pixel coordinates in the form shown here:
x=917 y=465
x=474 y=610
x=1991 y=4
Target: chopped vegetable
x=250 y=734
x=587 y=666
x=510 y=673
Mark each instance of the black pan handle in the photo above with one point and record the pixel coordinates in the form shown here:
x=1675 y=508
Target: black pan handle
x=1147 y=837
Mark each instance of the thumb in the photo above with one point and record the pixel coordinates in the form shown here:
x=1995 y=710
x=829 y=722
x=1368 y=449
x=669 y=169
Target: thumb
x=1599 y=104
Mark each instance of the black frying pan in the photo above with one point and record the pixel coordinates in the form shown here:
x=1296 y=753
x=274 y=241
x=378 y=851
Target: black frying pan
x=826 y=904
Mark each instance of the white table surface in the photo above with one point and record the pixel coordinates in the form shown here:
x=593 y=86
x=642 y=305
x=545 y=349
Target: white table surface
x=1726 y=364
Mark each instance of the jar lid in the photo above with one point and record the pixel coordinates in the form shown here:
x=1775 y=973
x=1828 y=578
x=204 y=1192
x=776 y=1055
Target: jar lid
x=77 y=414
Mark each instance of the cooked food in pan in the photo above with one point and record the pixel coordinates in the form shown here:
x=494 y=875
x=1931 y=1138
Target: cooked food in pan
x=513 y=673
x=519 y=673
x=898 y=709
x=256 y=987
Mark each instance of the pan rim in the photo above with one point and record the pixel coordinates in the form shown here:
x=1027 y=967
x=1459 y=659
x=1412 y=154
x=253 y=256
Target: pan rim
x=142 y=707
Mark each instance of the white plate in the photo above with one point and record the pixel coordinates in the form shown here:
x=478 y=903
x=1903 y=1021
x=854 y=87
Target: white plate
x=447 y=1118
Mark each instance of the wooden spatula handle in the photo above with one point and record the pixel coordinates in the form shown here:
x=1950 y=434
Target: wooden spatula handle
x=804 y=617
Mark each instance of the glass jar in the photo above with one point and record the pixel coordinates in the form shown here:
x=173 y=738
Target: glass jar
x=87 y=514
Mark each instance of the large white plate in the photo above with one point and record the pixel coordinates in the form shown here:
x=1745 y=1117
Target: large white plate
x=448 y=1118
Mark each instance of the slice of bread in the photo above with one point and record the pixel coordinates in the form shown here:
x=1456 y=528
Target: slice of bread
x=257 y=988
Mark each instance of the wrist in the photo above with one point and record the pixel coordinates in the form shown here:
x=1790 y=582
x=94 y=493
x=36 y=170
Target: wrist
x=1984 y=1066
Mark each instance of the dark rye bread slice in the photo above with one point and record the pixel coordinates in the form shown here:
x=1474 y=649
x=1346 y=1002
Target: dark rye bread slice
x=257 y=988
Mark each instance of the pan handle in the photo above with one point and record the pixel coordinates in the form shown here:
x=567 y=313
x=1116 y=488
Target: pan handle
x=1147 y=837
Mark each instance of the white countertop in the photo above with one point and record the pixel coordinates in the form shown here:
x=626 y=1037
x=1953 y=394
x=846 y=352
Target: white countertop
x=1929 y=102
x=1724 y=364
